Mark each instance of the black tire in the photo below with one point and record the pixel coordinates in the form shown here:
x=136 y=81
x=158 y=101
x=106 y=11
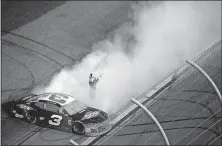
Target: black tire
x=78 y=128
x=30 y=117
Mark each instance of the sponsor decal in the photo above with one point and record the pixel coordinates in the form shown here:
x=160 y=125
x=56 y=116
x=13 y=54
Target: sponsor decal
x=88 y=130
x=93 y=126
x=69 y=122
x=24 y=107
x=89 y=115
x=82 y=111
x=19 y=116
x=41 y=118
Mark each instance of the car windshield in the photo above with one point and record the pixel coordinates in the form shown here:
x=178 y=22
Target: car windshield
x=74 y=107
x=30 y=98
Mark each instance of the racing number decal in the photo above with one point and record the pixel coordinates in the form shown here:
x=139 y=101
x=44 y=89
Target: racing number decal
x=56 y=119
x=59 y=99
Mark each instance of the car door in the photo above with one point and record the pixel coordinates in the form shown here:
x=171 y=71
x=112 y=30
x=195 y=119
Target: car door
x=55 y=119
x=41 y=114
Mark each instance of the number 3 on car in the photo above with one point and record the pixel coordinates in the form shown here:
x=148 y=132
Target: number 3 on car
x=55 y=120
x=59 y=99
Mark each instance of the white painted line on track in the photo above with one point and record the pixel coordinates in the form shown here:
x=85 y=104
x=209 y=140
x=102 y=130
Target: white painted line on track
x=73 y=142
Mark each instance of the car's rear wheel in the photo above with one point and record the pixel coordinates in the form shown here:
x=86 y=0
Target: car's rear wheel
x=78 y=128
x=30 y=117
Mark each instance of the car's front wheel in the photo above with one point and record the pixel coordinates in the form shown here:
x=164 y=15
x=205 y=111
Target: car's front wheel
x=78 y=128
x=30 y=117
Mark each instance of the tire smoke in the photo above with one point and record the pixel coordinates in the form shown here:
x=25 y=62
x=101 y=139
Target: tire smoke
x=159 y=38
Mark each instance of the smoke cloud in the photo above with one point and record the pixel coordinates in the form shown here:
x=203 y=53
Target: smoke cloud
x=141 y=52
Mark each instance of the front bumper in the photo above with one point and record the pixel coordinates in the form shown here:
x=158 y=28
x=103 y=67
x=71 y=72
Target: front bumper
x=96 y=129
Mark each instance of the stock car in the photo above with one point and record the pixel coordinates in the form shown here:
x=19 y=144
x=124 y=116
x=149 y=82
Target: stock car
x=57 y=111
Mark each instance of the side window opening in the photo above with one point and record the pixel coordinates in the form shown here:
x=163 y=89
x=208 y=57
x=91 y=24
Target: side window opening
x=52 y=107
x=39 y=105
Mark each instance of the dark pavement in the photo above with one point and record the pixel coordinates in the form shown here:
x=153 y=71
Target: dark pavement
x=17 y=13
x=189 y=111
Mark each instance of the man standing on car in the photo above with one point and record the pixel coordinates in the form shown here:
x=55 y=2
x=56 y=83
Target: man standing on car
x=92 y=84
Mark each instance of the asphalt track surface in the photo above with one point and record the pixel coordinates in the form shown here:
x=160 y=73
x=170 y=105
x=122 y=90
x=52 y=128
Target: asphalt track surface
x=28 y=60
x=22 y=12
x=189 y=111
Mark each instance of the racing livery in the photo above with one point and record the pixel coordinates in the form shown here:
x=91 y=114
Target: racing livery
x=57 y=111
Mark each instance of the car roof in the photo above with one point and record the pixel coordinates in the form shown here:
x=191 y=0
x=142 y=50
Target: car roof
x=46 y=97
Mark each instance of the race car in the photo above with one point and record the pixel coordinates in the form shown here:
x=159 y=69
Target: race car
x=57 y=111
